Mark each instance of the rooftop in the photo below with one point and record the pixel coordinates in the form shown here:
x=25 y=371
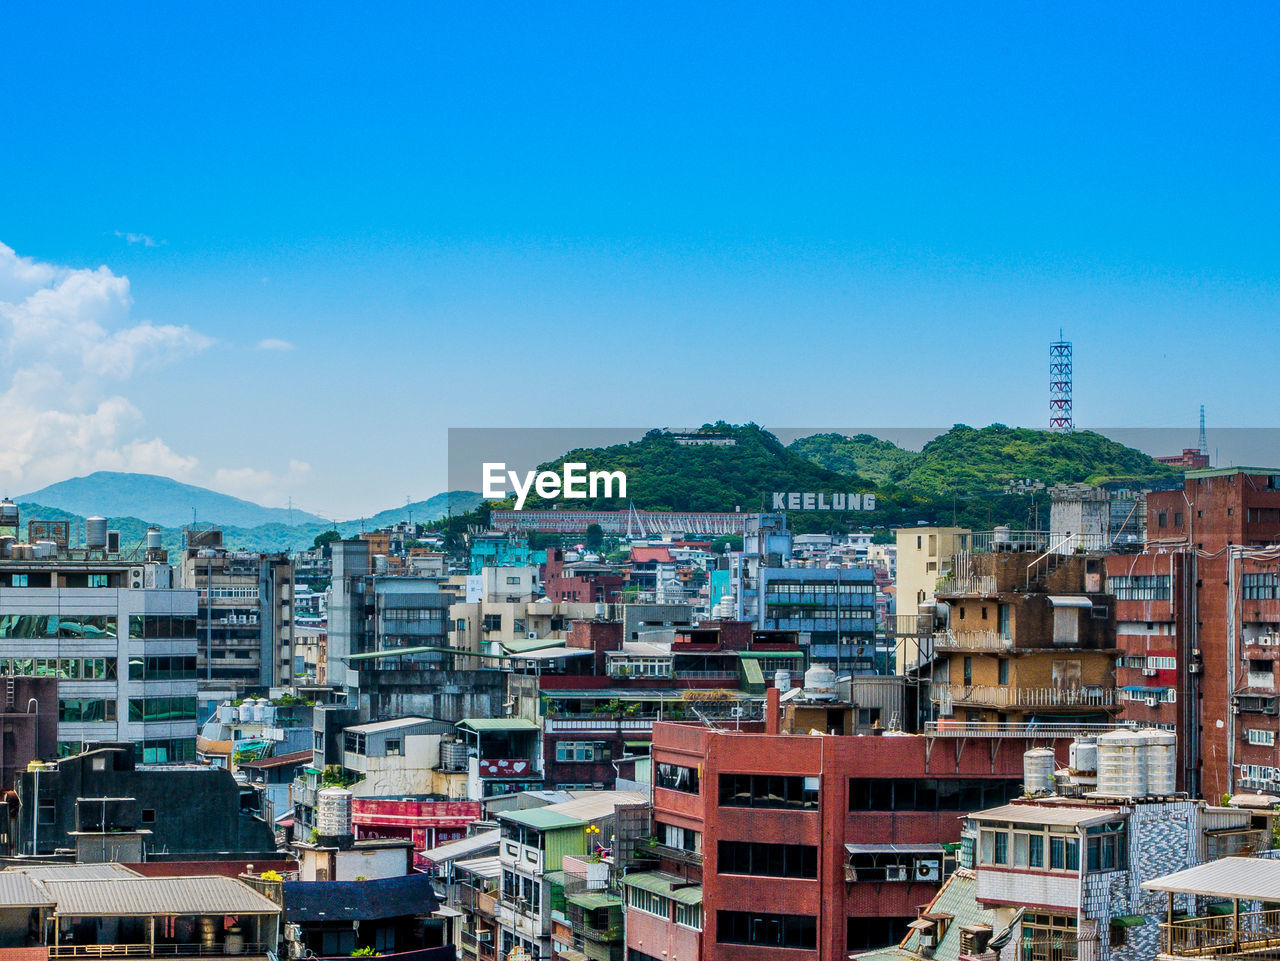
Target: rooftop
x=280 y=760
x=152 y=897
x=1249 y=879
x=1048 y=813
x=463 y=847
x=377 y=727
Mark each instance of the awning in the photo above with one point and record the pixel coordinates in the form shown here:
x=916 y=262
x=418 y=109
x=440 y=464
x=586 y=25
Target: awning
x=893 y=848
x=1061 y=600
x=1129 y=921
x=665 y=885
x=1249 y=879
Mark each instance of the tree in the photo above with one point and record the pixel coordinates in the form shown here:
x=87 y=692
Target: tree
x=322 y=541
x=595 y=537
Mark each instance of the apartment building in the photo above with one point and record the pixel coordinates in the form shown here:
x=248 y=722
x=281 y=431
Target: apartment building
x=120 y=641
x=245 y=613
x=795 y=844
x=1031 y=636
x=1199 y=612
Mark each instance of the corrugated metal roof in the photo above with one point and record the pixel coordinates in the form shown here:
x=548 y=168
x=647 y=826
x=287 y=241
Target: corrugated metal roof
x=1255 y=879
x=659 y=883
x=498 y=724
x=543 y=819
x=17 y=890
x=488 y=868
x=376 y=727
x=147 y=897
x=893 y=848
x=591 y=900
x=1047 y=814
x=75 y=872
x=443 y=853
x=1061 y=600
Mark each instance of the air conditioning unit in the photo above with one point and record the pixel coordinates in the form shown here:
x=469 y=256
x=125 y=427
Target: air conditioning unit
x=1195 y=652
x=1235 y=708
x=136 y=578
x=895 y=872
x=532 y=635
x=929 y=870
x=1194 y=668
x=1152 y=701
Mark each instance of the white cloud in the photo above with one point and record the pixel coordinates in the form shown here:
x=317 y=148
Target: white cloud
x=146 y=240
x=263 y=486
x=274 y=343
x=69 y=345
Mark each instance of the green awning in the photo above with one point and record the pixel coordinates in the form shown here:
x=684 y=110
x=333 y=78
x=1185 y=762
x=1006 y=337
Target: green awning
x=638 y=743
x=793 y=655
x=659 y=883
x=498 y=724
x=752 y=675
x=525 y=644
x=1129 y=921
x=541 y=819
x=591 y=900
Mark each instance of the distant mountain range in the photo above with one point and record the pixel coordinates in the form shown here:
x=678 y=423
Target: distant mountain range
x=133 y=502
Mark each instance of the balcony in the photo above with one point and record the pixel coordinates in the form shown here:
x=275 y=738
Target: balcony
x=972 y=641
x=1037 y=729
x=557 y=723
x=1024 y=697
x=1252 y=933
x=250 y=948
x=674 y=854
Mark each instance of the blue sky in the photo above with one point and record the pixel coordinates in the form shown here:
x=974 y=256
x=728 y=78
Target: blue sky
x=599 y=214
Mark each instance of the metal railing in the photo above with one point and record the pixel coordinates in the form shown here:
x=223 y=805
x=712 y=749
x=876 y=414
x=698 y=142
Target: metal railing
x=158 y=950
x=675 y=854
x=1028 y=696
x=1256 y=933
x=1037 y=729
x=972 y=641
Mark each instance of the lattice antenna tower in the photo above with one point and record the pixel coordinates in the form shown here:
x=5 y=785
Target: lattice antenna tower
x=1060 y=385
x=1204 y=441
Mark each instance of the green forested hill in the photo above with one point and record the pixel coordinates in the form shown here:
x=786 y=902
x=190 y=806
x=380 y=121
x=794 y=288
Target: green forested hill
x=967 y=460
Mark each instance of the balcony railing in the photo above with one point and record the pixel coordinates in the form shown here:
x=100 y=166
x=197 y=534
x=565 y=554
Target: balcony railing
x=983 y=696
x=155 y=950
x=972 y=641
x=1255 y=933
x=675 y=854
x=1034 y=729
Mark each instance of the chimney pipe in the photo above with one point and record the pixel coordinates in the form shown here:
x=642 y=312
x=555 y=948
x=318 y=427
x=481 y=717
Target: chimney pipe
x=772 y=711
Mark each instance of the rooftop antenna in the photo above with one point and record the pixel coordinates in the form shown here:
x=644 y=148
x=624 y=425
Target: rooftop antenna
x=1204 y=441
x=1060 y=385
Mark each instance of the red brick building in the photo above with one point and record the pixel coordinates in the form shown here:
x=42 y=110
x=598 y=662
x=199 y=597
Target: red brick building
x=1198 y=622
x=806 y=846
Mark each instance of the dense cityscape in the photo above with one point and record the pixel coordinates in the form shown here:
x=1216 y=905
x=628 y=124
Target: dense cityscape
x=639 y=481
x=590 y=734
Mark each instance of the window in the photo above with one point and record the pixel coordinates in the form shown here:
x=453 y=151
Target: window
x=1048 y=938
x=1162 y=519
x=162 y=709
x=1108 y=848
x=1260 y=586
x=648 y=902
x=20 y=580
x=689 y=915
x=1064 y=854
x=768 y=791
x=393 y=747
x=582 y=751
x=675 y=777
x=493 y=622
x=1261 y=737
x=968 y=672
x=1002 y=670
x=682 y=839
x=1140 y=587
x=769 y=930
x=97 y=580
x=767 y=860
x=47 y=813
x=1002 y=621
x=1177 y=518
x=931 y=794
x=513 y=580
x=148 y=815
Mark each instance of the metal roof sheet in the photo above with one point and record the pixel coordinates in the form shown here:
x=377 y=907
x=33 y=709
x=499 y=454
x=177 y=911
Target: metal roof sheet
x=375 y=727
x=659 y=883
x=592 y=900
x=1062 y=814
x=1255 y=879
x=498 y=724
x=487 y=867
x=893 y=848
x=542 y=819
x=1061 y=600
x=18 y=890
x=148 y=897
x=75 y=872
x=452 y=850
